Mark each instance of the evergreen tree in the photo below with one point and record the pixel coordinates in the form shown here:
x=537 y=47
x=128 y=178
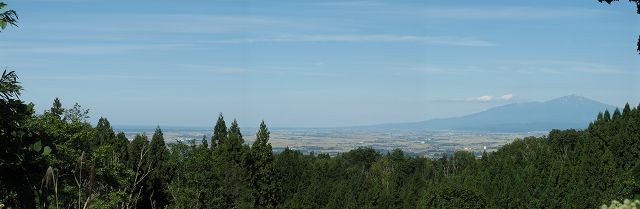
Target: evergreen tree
x=138 y=152
x=104 y=134
x=606 y=115
x=205 y=142
x=626 y=111
x=56 y=108
x=232 y=147
x=219 y=132
x=159 y=176
x=263 y=180
x=121 y=146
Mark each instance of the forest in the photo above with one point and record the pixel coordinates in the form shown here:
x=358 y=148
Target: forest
x=57 y=159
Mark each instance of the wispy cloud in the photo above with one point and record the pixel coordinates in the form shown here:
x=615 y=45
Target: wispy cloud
x=489 y=98
x=471 y=12
x=455 y=71
x=442 y=40
x=92 y=77
x=278 y=71
x=177 y=24
x=82 y=48
x=507 y=13
x=525 y=68
x=564 y=67
x=213 y=69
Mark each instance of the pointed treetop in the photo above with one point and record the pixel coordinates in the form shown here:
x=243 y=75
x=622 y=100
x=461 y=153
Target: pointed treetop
x=158 y=135
x=626 y=110
x=103 y=123
x=141 y=137
x=158 y=131
x=205 y=142
x=219 y=131
x=263 y=132
x=56 y=108
x=616 y=114
x=235 y=128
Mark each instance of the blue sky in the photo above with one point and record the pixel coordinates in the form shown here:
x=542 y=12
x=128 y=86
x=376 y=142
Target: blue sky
x=318 y=63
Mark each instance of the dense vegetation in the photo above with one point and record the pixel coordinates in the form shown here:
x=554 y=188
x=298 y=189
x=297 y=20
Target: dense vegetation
x=57 y=159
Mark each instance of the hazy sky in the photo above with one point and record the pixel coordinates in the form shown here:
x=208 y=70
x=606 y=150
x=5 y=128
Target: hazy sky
x=318 y=63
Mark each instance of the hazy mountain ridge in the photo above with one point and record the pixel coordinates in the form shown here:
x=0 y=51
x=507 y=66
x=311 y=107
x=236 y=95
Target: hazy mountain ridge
x=566 y=112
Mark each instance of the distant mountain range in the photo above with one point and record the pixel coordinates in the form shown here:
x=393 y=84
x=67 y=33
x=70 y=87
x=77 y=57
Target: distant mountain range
x=561 y=113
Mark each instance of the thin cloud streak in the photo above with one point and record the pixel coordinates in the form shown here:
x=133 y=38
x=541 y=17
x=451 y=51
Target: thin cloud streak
x=440 y=40
x=528 y=67
x=92 y=77
x=484 y=99
x=87 y=48
x=468 y=13
x=489 y=98
x=507 y=13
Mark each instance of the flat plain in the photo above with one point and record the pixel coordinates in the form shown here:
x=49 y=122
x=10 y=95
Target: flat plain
x=333 y=141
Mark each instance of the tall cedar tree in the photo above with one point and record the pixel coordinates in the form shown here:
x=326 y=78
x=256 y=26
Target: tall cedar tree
x=158 y=178
x=232 y=146
x=137 y=148
x=104 y=134
x=121 y=147
x=263 y=179
x=219 y=132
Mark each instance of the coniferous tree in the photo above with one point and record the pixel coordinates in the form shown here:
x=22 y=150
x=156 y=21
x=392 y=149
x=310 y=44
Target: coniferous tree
x=232 y=146
x=104 y=133
x=616 y=114
x=138 y=151
x=263 y=179
x=205 y=142
x=158 y=178
x=121 y=146
x=606 y=116
x=626 y=111
x=56 y=108
x=219 y=132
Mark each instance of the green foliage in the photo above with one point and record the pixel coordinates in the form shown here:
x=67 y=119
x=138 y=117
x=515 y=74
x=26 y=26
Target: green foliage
x=56 y=108
x=20 y=151
x=85 y=165
x=450 y=195
x=9 y=85
x=7 y=17
x=76 y=114
x=263 y=180
x=160 y=173
x=219 y=132
x=626 y=204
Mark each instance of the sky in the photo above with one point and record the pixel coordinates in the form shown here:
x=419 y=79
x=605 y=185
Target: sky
x=305 y=63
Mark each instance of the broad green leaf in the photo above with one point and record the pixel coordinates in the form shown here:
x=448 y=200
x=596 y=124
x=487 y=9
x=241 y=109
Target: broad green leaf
x=37 y=146
x=47 y=150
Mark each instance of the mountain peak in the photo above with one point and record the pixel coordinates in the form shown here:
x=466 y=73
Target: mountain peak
x=573 y=98
x=571 y=111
